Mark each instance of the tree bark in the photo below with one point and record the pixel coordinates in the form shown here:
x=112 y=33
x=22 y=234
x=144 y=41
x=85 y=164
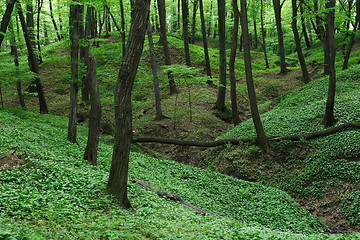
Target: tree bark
x=220 y=102
x=33 y=63
x=154 y=68
x=280 y=34
x=58 y=35
x=193 y=23
x=303 y=26
x=6 y=19
x=329 y=119
x=164 y=42
x=74 y=88
x=185 y=32
x=261 y=136
x=263 y=34
x=349 y=47
x=255 y=36
x=234 y=39
x=123 y=35
x=204 y=39
x=306 y=76
x=39 y=7
x=117 y=184
x=95 y=115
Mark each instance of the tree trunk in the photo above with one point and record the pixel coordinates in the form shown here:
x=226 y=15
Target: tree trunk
x=14 y=50
x=30 y=23
x=280 y=34
x=39 y=7
x=6 y=19
x=261 y=136
x=303 y=26
x=255 y=36
x=234 y=39
x=85 y=34
x=164 y=42
x=154 y=68
x=220 y=103
x=74 y=39
x=95 y=115
x=356 y=26
x=263 y=34
x=33 y=63
x=123 y=35
x=54 y=22
x=329 y=119
x=117 y=184
x=204 y=38
x=185 y=32
x=306 y=76
x=193 y=24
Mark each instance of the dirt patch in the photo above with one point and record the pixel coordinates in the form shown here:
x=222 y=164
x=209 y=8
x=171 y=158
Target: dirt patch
x=11 y=161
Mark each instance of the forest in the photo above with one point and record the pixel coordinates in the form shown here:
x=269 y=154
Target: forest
x=180 y=119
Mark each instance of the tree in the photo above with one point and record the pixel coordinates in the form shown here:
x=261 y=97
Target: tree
x=186 y=38
x=263 y=34
x=33 y=63
x=277 y=9
x=117 y=184
x=261 y=136
x=6 y=19
x=204 y=39
x=74 y=49
x=164 y=42
x=234 y=39
x=329 y=119
x=58 y=35
x=193 y=24
x=306 y=76
x=220 y=102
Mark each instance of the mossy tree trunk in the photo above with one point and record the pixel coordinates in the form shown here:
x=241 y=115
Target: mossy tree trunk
x=117 y=184
x=262 y=139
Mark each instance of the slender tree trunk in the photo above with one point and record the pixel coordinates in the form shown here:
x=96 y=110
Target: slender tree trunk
x=164 y=42
x=123 y=35
x=6 y=19
x=39 y=7
x=193 y=24
x=84 y=35
x=154 y=68
x=306 y=76
x=74 y=88
x=261 y=136
x=30 y=23
x=211 y=19
x=53 y=21
x=263 y=34
x=117 y=184
x=33 y=63
x=14 y=50
x=356 y=26
x=280 y=34
x=329 y=119
x=255 y=36
x=234 y=39
x=91 y=149
x=220 y=103
x=185 y=18
x=303 y=26
x=204 y=38
x=320 y=31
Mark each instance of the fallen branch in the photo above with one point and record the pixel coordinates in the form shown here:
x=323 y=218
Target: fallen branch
x=236 y=141
x=172 y=197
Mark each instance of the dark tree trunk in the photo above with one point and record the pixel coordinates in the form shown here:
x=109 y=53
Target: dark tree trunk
x=280 y=34
x=39 y=7
x=220 y=103
x=320 y=31
x=14 y=50
x=185 y=32
x=210 y=21
x=255 y=36
x=33 y=63
x=329 y=119
x=356 y=26
x=164 y=42
x=123 y=35
x=54 y=22
x=303 y=26
x=262 y=140
x=193 y=24
x=306 y=76
x=74 y=88
x=204 y=38
x=114 y=20
x=30 y=23
x=6 y=19
x=117 y=184
x=154 y=68
x=84 y=35
x=263 y=34
x=234 y=39
x=95 y=115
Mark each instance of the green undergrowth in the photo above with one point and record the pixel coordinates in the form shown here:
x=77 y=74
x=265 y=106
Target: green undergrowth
x=330 y=161
x=57 y=195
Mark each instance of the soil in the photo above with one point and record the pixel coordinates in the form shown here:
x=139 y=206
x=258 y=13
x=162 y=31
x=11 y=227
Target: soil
x=11 y=161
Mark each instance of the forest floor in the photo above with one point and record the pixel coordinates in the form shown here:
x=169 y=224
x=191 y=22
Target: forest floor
x=204 y=124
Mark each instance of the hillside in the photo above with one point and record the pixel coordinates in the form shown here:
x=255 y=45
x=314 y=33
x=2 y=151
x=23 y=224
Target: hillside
x=56 y=194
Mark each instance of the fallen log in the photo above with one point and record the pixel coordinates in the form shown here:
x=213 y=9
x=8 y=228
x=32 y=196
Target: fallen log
x=172 y=197
x=236 y=141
